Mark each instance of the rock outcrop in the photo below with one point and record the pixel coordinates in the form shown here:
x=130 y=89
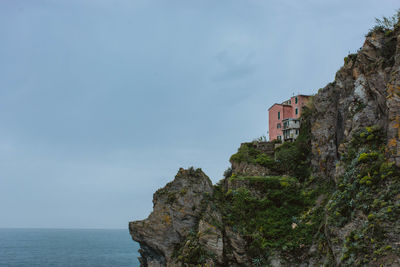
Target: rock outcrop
x=366 y=91
x=176 y=211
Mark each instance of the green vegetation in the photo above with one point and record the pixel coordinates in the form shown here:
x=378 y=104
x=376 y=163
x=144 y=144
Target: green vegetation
x=246 y=153
x=279 y=213
x=274 y=212
x=284 y=218
x=386 y=24
x=368 y=191
x=265 y=161
x=350 y=57
x=293 y=211
x=292 y=158
x=262 y=138
x=191 y=252
x=228 y=172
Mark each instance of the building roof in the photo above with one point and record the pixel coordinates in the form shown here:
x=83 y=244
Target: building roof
x=288 y=100
x=279 y=105
x=306 y=95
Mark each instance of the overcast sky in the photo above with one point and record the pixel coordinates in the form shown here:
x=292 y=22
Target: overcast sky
x=102 y=101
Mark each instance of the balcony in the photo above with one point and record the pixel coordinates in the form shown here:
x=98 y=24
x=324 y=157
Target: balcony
x=291 y=124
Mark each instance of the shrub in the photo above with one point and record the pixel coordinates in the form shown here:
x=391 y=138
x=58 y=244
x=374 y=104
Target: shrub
x=294 y=158
x=262 y=138
x=191 y=252
x=350 y=57
x=246 y=153
x=265 y=218
x=386 y=24
x=265 y=160
x=228 y=172
x=368 y=157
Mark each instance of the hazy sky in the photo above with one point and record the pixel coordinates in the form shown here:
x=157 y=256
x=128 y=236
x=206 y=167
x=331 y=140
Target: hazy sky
x=102 y=101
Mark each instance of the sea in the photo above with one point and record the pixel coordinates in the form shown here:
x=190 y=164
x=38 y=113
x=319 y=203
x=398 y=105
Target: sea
x=67 y=247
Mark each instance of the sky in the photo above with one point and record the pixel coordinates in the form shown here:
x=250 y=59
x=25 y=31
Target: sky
x=102 y=101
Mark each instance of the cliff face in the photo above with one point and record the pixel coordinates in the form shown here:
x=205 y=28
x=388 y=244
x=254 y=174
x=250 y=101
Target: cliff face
x=330 y=198
x=365 y=92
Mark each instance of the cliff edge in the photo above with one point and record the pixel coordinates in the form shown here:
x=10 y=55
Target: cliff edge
x=330 y=198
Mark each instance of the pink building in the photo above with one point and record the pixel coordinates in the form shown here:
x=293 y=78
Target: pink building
x=284 y=121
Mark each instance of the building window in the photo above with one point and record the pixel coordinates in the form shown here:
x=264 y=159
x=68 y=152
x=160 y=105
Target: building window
x=297 y=131
x=279 y=137
x=297 y=111
x=295 y=99
x=278 y=126
x=279 y=115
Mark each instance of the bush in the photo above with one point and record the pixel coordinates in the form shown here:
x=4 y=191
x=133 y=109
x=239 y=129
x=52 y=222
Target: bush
x=262 y=138
x=386 y=24
x=228 y=172
x=267 y=222
x=246 y=153
x=350 y=57
x=191 y=252
x=368 y=157
x=266 y=161
x=294 y=158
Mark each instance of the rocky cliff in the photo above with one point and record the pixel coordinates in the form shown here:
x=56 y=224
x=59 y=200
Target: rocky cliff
x=365 y=92
x=330 y=198
x=176 y=211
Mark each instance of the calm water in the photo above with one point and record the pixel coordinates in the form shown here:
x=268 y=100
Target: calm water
x=67 y=247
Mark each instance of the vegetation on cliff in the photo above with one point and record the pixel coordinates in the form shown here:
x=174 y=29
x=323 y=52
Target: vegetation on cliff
x=385 y=24
x=290 y=215
x=330 y=198
x=291 y=158
x=368 y=191
x=276 y=213
x=271 y=213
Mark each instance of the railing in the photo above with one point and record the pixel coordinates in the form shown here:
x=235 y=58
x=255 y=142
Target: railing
x=290 y=124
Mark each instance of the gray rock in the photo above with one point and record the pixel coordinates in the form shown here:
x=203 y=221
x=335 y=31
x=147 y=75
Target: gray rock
x=366 y=92
x=176 y=211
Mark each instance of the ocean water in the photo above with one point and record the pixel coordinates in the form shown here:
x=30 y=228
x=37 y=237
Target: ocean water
x=67 y=247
